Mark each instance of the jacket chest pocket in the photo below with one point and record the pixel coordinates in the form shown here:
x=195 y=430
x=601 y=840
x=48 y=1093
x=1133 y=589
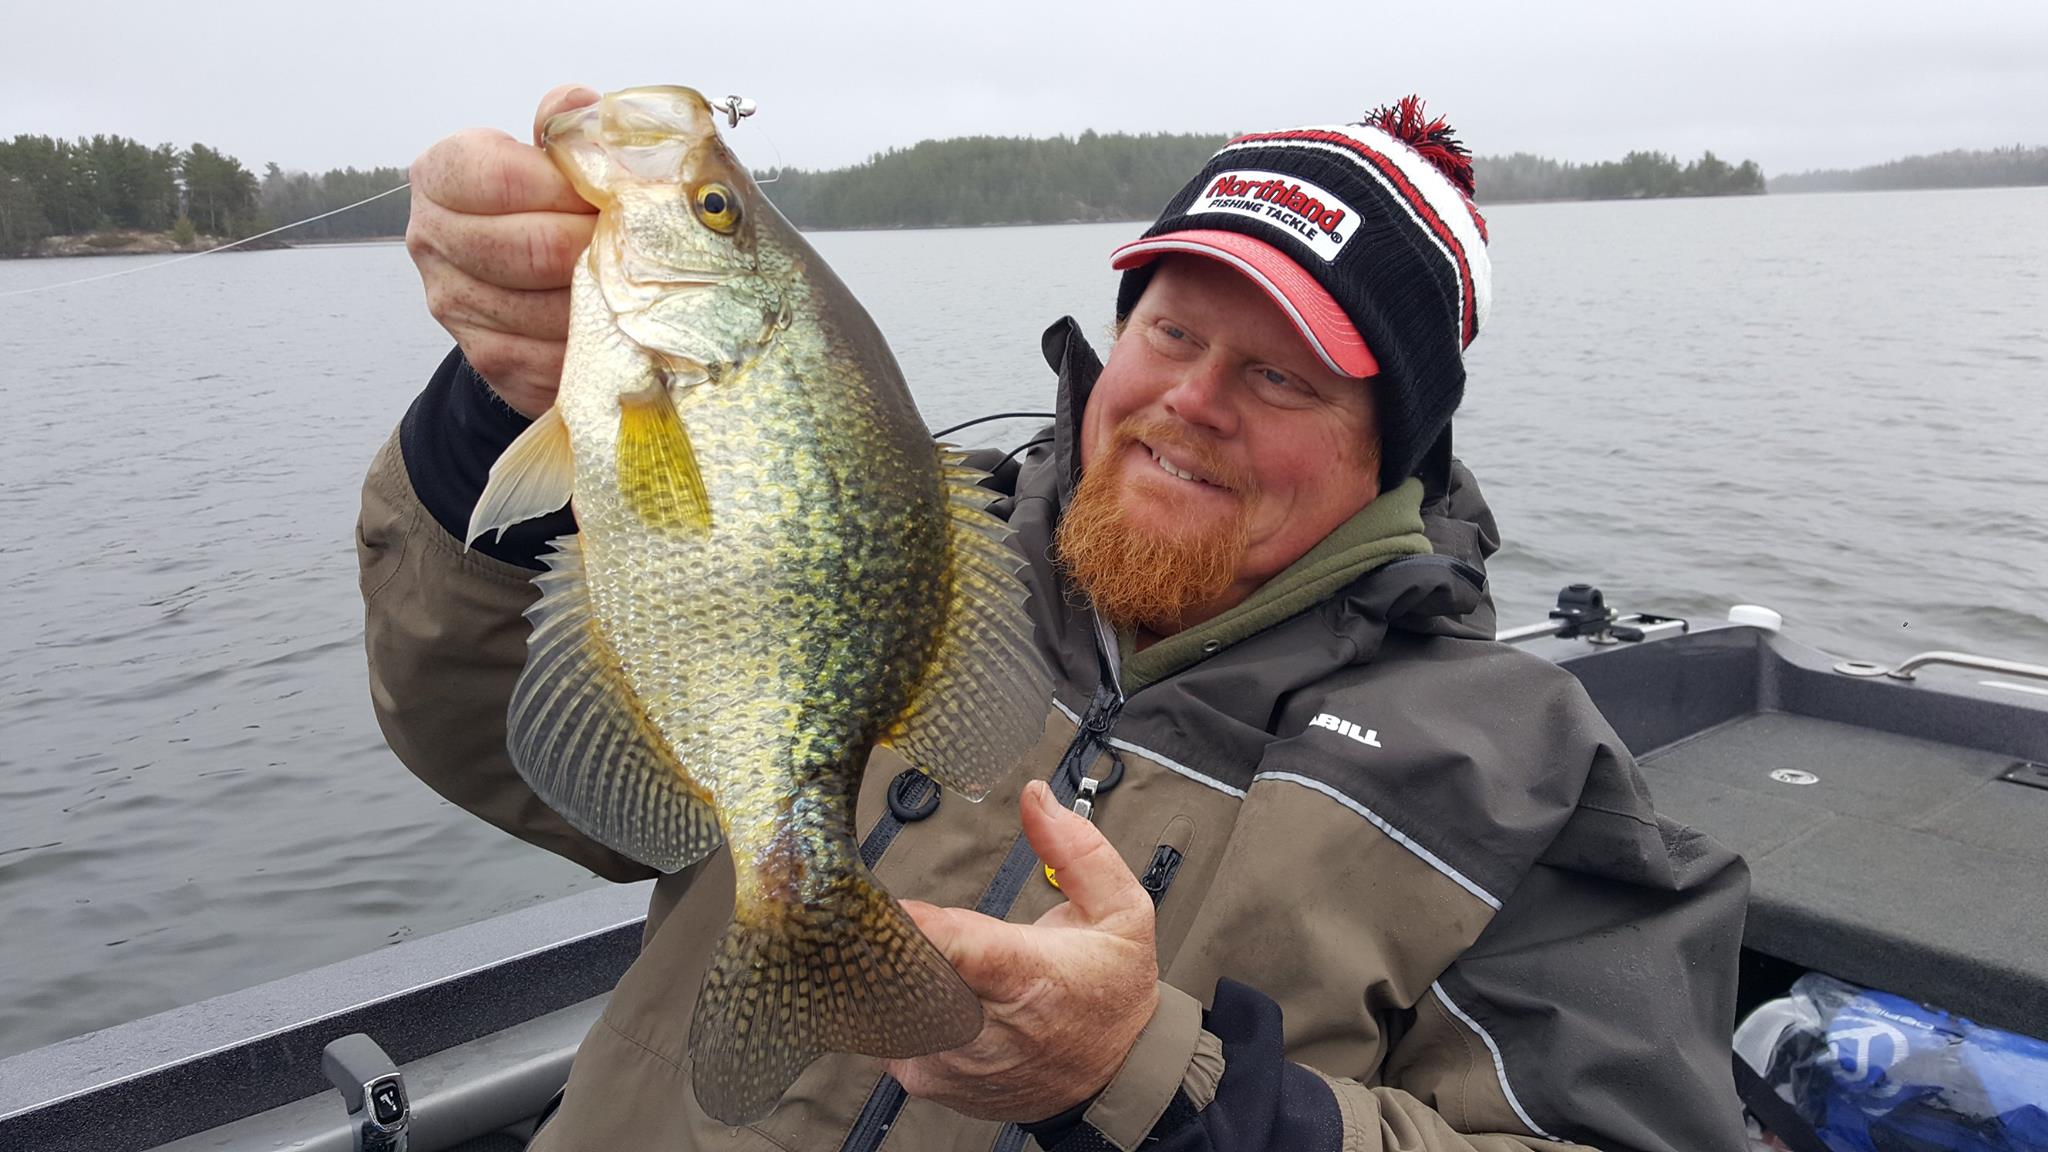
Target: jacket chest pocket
x=1162 y=878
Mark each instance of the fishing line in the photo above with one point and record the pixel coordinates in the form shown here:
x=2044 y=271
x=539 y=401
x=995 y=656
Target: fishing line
x=1027 y=446
x=208 y=252
x=995 y=416
x=736 y=107
x=778 y=157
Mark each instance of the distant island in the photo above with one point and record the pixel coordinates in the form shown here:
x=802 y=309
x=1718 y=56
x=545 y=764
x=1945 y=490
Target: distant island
x=108 y=194
x=1094 y=176
x=1639 y=175
x=1993 y=168
x=111 y=195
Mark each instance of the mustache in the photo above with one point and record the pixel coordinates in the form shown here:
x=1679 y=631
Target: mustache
x=1188 y=447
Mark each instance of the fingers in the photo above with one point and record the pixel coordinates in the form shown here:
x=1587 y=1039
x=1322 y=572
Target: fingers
x=1092 y=875
x=526 y=251
x=524 y=372
x=961 y=935
x=990 y=954
x=484 y=171
x=561 y=98
x=460 y=302
x=496 y=230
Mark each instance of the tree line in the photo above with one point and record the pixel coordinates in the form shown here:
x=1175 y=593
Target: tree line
x=61 y=187
x=995 y=180
x=98 y=184
x=1003 y=180
x=285 y=196
x=1979 y=168
x=1637 y=175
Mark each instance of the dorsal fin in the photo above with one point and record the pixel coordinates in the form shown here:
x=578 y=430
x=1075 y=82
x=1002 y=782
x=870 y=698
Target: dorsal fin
x=984 y=696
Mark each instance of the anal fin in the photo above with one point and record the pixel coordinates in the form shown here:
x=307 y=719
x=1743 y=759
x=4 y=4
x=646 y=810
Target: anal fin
x=984 y=696
x=578 y=735
x=849 y=972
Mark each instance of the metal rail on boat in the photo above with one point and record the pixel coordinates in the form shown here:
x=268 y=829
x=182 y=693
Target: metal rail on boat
x=1582 y=613
x=1912 y=664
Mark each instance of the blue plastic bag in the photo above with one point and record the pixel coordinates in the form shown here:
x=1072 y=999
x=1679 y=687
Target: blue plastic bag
x=1875 y=1073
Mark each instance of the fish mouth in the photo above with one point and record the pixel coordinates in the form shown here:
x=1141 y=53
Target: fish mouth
x=632 y=284
x=642 y=133
x=641 y=271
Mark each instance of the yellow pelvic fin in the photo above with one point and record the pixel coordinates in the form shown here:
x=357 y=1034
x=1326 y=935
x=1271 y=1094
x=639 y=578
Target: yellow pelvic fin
x=533 y=477
x=579 y=736
x=983 y=699
x=790 y=982
x=657 y=466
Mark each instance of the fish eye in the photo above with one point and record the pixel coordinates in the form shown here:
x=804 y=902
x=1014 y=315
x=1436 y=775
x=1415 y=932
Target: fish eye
x=717 y=207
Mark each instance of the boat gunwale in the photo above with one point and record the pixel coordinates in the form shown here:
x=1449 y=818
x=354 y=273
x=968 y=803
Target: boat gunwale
x=137 y=1085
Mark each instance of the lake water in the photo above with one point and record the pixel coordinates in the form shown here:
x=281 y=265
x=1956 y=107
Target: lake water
x=1833 y=405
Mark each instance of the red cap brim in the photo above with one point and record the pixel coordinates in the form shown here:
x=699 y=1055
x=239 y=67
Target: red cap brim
x=1315 y=312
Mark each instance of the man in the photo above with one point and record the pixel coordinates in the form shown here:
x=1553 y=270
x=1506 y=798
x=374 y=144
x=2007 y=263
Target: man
x=1353 y=876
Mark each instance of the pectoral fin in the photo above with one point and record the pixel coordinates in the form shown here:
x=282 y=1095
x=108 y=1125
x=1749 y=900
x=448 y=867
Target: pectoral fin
x=984 y=696
x=580 y=738
x=533 y=477
x=657 y=466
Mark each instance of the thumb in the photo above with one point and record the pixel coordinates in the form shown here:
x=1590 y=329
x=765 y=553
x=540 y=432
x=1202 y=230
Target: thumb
x=561 y=98
x=1091 y=873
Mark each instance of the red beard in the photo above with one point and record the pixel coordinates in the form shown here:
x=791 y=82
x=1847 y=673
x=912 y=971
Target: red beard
x=1138 y=572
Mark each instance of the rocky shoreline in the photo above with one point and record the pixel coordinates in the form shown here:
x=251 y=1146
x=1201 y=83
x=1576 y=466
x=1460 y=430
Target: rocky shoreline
x=132 y=242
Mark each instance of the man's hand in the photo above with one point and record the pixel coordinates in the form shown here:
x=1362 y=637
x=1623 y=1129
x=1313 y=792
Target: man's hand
x=1065 y=998
x=495 y=231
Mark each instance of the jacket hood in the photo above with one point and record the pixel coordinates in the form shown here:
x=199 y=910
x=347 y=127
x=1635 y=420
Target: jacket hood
x=1443 y=594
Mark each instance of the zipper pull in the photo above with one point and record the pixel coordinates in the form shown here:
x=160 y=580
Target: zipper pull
x=1159 y=877
x=1084 y=797
x=1084 y=807
x=1089 y=787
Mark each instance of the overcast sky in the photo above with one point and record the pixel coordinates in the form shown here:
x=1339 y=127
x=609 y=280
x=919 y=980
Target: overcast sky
x=1793 y=84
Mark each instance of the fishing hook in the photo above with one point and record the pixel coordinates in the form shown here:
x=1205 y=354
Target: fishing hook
x=736 y=109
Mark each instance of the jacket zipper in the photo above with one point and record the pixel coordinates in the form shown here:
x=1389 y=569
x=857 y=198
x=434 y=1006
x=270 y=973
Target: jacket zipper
x=885 y=1102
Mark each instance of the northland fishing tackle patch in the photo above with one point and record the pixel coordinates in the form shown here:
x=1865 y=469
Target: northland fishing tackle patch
x=1307 y=212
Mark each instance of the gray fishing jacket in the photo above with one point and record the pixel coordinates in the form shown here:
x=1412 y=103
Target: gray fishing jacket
x=1411 y=891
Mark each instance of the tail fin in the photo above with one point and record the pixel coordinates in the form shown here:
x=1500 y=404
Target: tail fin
x=791 y=982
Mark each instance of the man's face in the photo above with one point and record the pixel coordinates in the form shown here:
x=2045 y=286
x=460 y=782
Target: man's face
x=1217 y=442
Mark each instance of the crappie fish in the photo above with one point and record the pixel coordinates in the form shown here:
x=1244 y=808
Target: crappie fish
x=775 y=570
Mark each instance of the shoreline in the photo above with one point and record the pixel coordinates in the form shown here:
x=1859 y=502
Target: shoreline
x=131 y=243
x=127 y=242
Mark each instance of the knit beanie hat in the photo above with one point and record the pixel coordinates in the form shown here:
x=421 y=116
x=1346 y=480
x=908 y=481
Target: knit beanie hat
x=1366 y=236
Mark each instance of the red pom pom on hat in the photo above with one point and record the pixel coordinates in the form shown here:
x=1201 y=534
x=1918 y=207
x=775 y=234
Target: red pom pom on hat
x=1407 y=122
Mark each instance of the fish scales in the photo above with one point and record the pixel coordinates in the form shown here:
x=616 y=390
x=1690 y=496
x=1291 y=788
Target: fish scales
x=775 y=570
x=808 y=528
